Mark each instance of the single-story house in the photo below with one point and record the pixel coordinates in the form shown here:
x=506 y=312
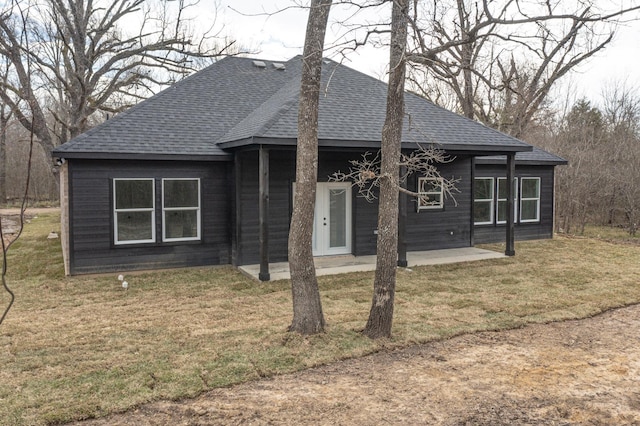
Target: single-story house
x=203 y=174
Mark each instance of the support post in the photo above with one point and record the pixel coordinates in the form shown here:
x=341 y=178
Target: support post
x=236 y=252
x=263 y=207
x=511 y=172
x=402 y=223
x=472 y=221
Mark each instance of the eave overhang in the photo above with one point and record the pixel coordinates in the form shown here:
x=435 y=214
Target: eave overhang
x=484 y=150
x=490 y=161
x=140 y=156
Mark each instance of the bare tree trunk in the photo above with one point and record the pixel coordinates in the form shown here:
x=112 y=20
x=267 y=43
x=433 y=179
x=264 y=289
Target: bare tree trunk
x=466 y=53
x=5 y=115
x=307 y=308
x=381 y=313
x=4 y=124
x=84 y=60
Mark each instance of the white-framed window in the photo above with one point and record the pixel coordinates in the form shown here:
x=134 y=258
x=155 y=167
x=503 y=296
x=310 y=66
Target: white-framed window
x=501 y=195
x=134 y=219
x=483 y=201
x=530 y=199
x=181 y=209
x=430 y=193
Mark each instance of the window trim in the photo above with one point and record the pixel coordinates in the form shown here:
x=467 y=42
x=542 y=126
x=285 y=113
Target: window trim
x=490 y=200
x=152 y=209
x=537 y=199
x=170 y=209
x=432 y=206
x=498 y=199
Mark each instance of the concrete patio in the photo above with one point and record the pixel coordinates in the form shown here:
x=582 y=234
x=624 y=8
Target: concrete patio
x=332 y=265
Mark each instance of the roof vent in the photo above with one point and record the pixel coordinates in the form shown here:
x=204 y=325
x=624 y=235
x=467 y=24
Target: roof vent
x=279 y=66
x=259 y=64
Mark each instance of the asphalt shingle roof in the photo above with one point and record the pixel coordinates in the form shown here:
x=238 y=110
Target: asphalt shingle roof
x=233 y=102
x=186 y=119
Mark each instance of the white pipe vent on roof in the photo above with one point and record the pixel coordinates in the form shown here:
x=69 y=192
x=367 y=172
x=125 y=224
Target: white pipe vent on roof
x=259 y=64
x=279 y=66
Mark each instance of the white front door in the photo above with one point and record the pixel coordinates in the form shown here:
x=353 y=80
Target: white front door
x=332 y=220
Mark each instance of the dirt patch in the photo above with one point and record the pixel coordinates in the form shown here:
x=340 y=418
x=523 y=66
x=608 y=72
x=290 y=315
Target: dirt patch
x=31 y=211
x=10 y=227
x=10 y=219
x=574 y=372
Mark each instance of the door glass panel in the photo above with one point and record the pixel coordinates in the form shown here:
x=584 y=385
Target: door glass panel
x=337 y=217
x=314 y=236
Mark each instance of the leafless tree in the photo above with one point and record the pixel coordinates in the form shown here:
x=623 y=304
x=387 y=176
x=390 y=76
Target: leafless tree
x=366 y=175
x=307 y=308
x=5 y=117
x=581 y=139
x=86 y=58
x=382 y=306
x=496 y=61
x=622 y=116
x=600 y=185
x=42 y=188
x=7 y=243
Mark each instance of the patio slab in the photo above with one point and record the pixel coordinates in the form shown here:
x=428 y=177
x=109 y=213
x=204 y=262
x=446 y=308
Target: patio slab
x=333 y=265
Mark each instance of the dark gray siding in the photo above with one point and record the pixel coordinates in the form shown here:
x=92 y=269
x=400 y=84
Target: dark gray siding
x=91 y=216
x=281 y=178
x=524 y=231
x=281 y=172
x=445 y=228
x=434 y=229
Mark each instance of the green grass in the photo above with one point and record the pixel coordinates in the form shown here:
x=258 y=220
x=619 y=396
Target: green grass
x=82 y=347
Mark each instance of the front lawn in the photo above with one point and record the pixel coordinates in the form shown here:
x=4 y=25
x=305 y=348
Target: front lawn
x=82 y=347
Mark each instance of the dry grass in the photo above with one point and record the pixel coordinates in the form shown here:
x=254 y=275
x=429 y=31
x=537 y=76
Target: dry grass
x=82 y=347
x=611 y=233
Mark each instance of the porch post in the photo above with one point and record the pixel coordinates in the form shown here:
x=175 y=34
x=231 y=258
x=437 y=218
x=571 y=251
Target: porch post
x=472 y=221
x=402 y=223
x=263 y=206
x=236 y=253
x=511 y=172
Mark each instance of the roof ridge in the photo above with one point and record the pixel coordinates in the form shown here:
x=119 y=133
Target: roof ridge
x=289 y=91
x=286 y=106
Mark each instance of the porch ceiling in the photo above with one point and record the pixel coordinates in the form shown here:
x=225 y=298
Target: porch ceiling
x=333 y=265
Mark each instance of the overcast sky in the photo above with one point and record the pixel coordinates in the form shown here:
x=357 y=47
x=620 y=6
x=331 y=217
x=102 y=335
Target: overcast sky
x=281 y=36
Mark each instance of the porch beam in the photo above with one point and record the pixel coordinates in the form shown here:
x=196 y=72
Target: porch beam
x=511 y=172
x=402 y=223
x=263 y=207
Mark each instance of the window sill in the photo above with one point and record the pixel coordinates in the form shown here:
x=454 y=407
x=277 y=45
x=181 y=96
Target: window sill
x=157 y=244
